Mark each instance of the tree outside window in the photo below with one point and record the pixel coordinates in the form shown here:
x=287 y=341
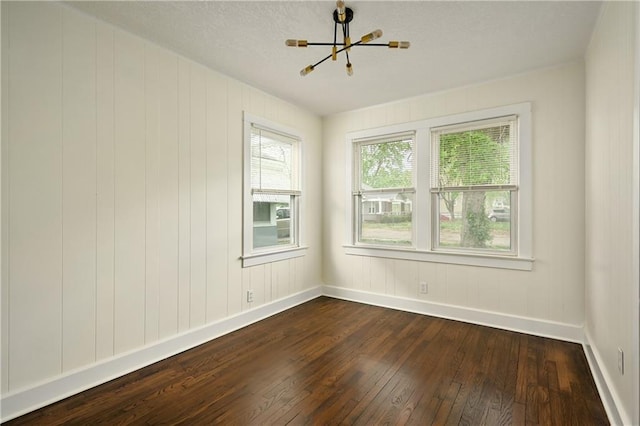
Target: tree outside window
x=474 y=185
x=384 y=191
x=452 y=189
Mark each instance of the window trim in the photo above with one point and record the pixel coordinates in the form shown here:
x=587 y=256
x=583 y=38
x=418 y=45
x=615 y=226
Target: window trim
x=512 y=187
x=422 y=224
x=256 y=256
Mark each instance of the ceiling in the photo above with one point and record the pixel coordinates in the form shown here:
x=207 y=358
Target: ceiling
x=453 y=43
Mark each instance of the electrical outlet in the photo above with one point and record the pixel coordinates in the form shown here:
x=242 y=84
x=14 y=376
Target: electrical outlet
x=249 y=296
x=621 y=361
x=424 y=288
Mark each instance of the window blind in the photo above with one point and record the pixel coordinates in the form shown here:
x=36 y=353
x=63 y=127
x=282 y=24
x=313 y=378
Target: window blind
x=273 y=163
x=472 y=155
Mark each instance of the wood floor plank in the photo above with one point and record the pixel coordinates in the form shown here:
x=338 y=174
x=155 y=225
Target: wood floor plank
x=521 y=378
x=336 y=362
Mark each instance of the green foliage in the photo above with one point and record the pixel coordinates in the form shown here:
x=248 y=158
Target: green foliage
x=386 y=165
x=472 y=158
x=396 y=226
x=395 y=218
x=478 y=157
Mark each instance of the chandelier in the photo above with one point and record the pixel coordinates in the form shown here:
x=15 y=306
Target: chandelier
x=342 y=16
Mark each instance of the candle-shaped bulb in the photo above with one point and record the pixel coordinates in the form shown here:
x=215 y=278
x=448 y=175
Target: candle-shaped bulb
x=306 y=70
x=342 y=11
x=371 y=36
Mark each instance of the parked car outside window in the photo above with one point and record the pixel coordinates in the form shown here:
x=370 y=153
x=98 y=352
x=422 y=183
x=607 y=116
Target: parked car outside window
x=283 y=213
x=283 y=219
x=500 y=215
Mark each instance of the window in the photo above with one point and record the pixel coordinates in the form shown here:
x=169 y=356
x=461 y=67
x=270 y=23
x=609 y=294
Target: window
x=454 y=189
x=474 y=183
x=383 y=192
x=272 y=192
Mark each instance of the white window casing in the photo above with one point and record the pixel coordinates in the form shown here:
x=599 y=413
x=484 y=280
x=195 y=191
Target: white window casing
x=425 y=245
x=272 y=185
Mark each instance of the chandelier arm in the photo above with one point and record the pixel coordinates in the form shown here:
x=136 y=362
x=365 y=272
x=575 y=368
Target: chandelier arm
x=321 y=61
x=325 y=44
x=334 y=48
x=357 y=43
x=347 y=40
x=371 y=44
x=345 y=33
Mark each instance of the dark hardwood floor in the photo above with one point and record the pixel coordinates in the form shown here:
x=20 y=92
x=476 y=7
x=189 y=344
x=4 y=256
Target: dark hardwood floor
x=335 y=362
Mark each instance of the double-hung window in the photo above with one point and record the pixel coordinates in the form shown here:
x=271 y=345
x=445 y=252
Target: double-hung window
x=453 y=189
x=474 y=186
x=383 y=190
x=272 y=160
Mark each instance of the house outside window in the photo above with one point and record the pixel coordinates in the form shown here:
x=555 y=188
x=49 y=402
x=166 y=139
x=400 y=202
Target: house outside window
x=272 y=210
x=383 y=190
x=454 y=189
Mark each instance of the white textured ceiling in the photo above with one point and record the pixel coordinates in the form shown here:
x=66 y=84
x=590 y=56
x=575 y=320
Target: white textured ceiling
x=453 y=43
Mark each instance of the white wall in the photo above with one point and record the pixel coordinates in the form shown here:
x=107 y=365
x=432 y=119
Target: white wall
x=122 y=194
x=554 y=290
x=611 y=188
x=121 y=198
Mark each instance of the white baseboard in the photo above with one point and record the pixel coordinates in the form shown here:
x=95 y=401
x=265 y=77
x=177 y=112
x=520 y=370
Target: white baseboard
x=23 y=401
x=608 y=395
x=536 y=327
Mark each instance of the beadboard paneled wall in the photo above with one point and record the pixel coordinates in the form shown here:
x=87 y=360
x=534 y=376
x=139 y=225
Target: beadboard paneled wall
x=611 y=201
x=554 y=290
x=122 y=194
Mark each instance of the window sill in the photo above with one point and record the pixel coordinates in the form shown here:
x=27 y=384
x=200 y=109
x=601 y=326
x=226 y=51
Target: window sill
x=482 y=260
x=272 y=256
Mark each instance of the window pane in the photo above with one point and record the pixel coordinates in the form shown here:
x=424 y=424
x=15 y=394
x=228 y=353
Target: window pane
x=272 y=160
x=386 y=164
x=482 y=156
x=385 y=218
x=474 y=220
x=271 y=220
